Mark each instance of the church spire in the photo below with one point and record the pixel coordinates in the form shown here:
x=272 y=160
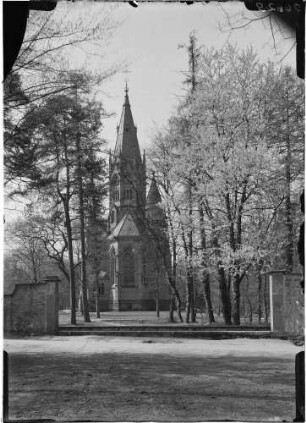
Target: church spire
x=127 y=142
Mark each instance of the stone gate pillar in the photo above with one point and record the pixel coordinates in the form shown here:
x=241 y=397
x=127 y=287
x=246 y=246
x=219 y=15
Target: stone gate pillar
x=51 y=303
x=32 y=308
x=286 y=302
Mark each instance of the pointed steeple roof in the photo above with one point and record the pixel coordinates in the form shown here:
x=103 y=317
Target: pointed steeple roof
x=127 y=142
x=153 y=196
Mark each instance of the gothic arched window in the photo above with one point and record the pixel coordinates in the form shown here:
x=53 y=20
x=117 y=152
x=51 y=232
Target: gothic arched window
x=128 y=264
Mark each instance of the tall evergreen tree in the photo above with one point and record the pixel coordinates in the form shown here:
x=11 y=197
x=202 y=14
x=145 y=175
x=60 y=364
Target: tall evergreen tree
x=67 y=130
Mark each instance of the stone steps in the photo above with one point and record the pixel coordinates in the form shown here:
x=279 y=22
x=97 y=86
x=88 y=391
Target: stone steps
x=208 y=332
x=176 y=327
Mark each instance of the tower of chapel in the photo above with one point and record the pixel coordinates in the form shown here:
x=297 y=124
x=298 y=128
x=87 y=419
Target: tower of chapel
x=137 y=275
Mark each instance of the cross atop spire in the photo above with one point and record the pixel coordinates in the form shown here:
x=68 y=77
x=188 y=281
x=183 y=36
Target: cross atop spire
x=126 y=93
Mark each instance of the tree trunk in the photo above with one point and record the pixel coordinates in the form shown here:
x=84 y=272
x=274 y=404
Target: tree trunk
x=178 y=309
x=259 y=296
x=176 y=295
x=192 y=298
x=82 y=229
x=172 y=308
x=71 y=265
x=236 y=300
x=157 y=303
x=83 y=273
x=93 y=236
x=228 y=286
x=97 y=305
x=81 y=305
x=174 y=291
x=178 y=305
x=189 y=296
x=206 y=278
x=190 y=293
x=225 y=300
x=223 y=286
x=190 y=315
x=266 y=300
x=207 y=297
x=194 y=315
x=97 y=295
x=190 y=312
x=219 y=302
x=251 y=311
x=288 y=207
x=174 y=268
x=65 y=201
x=289 y=223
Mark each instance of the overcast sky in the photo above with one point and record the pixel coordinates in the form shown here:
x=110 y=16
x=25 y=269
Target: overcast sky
x=148 y=39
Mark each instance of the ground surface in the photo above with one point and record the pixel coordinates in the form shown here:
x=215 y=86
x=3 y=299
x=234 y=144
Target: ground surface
x=113 y=318
x=132 y=379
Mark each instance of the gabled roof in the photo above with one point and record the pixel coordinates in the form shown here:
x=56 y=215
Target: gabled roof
x=126 y=227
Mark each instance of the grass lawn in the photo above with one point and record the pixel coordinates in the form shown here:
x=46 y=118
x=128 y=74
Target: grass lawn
x=130 y=379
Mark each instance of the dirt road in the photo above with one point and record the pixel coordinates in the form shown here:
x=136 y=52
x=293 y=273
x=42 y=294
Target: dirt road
x=136 y=379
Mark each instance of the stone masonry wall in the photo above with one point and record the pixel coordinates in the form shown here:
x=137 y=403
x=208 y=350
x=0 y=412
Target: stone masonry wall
x=287 y=308
x=32 y=308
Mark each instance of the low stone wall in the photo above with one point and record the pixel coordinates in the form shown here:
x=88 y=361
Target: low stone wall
x=286 y=303
x=32 y=309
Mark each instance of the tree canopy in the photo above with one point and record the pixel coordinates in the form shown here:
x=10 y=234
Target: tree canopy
x=229 y=164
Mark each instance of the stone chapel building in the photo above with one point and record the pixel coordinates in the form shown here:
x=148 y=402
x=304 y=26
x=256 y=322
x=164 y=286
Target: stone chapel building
x=138 y=245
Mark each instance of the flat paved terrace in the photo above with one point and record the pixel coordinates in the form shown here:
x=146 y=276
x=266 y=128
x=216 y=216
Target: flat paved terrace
x=95 y=378
x=115 y=318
